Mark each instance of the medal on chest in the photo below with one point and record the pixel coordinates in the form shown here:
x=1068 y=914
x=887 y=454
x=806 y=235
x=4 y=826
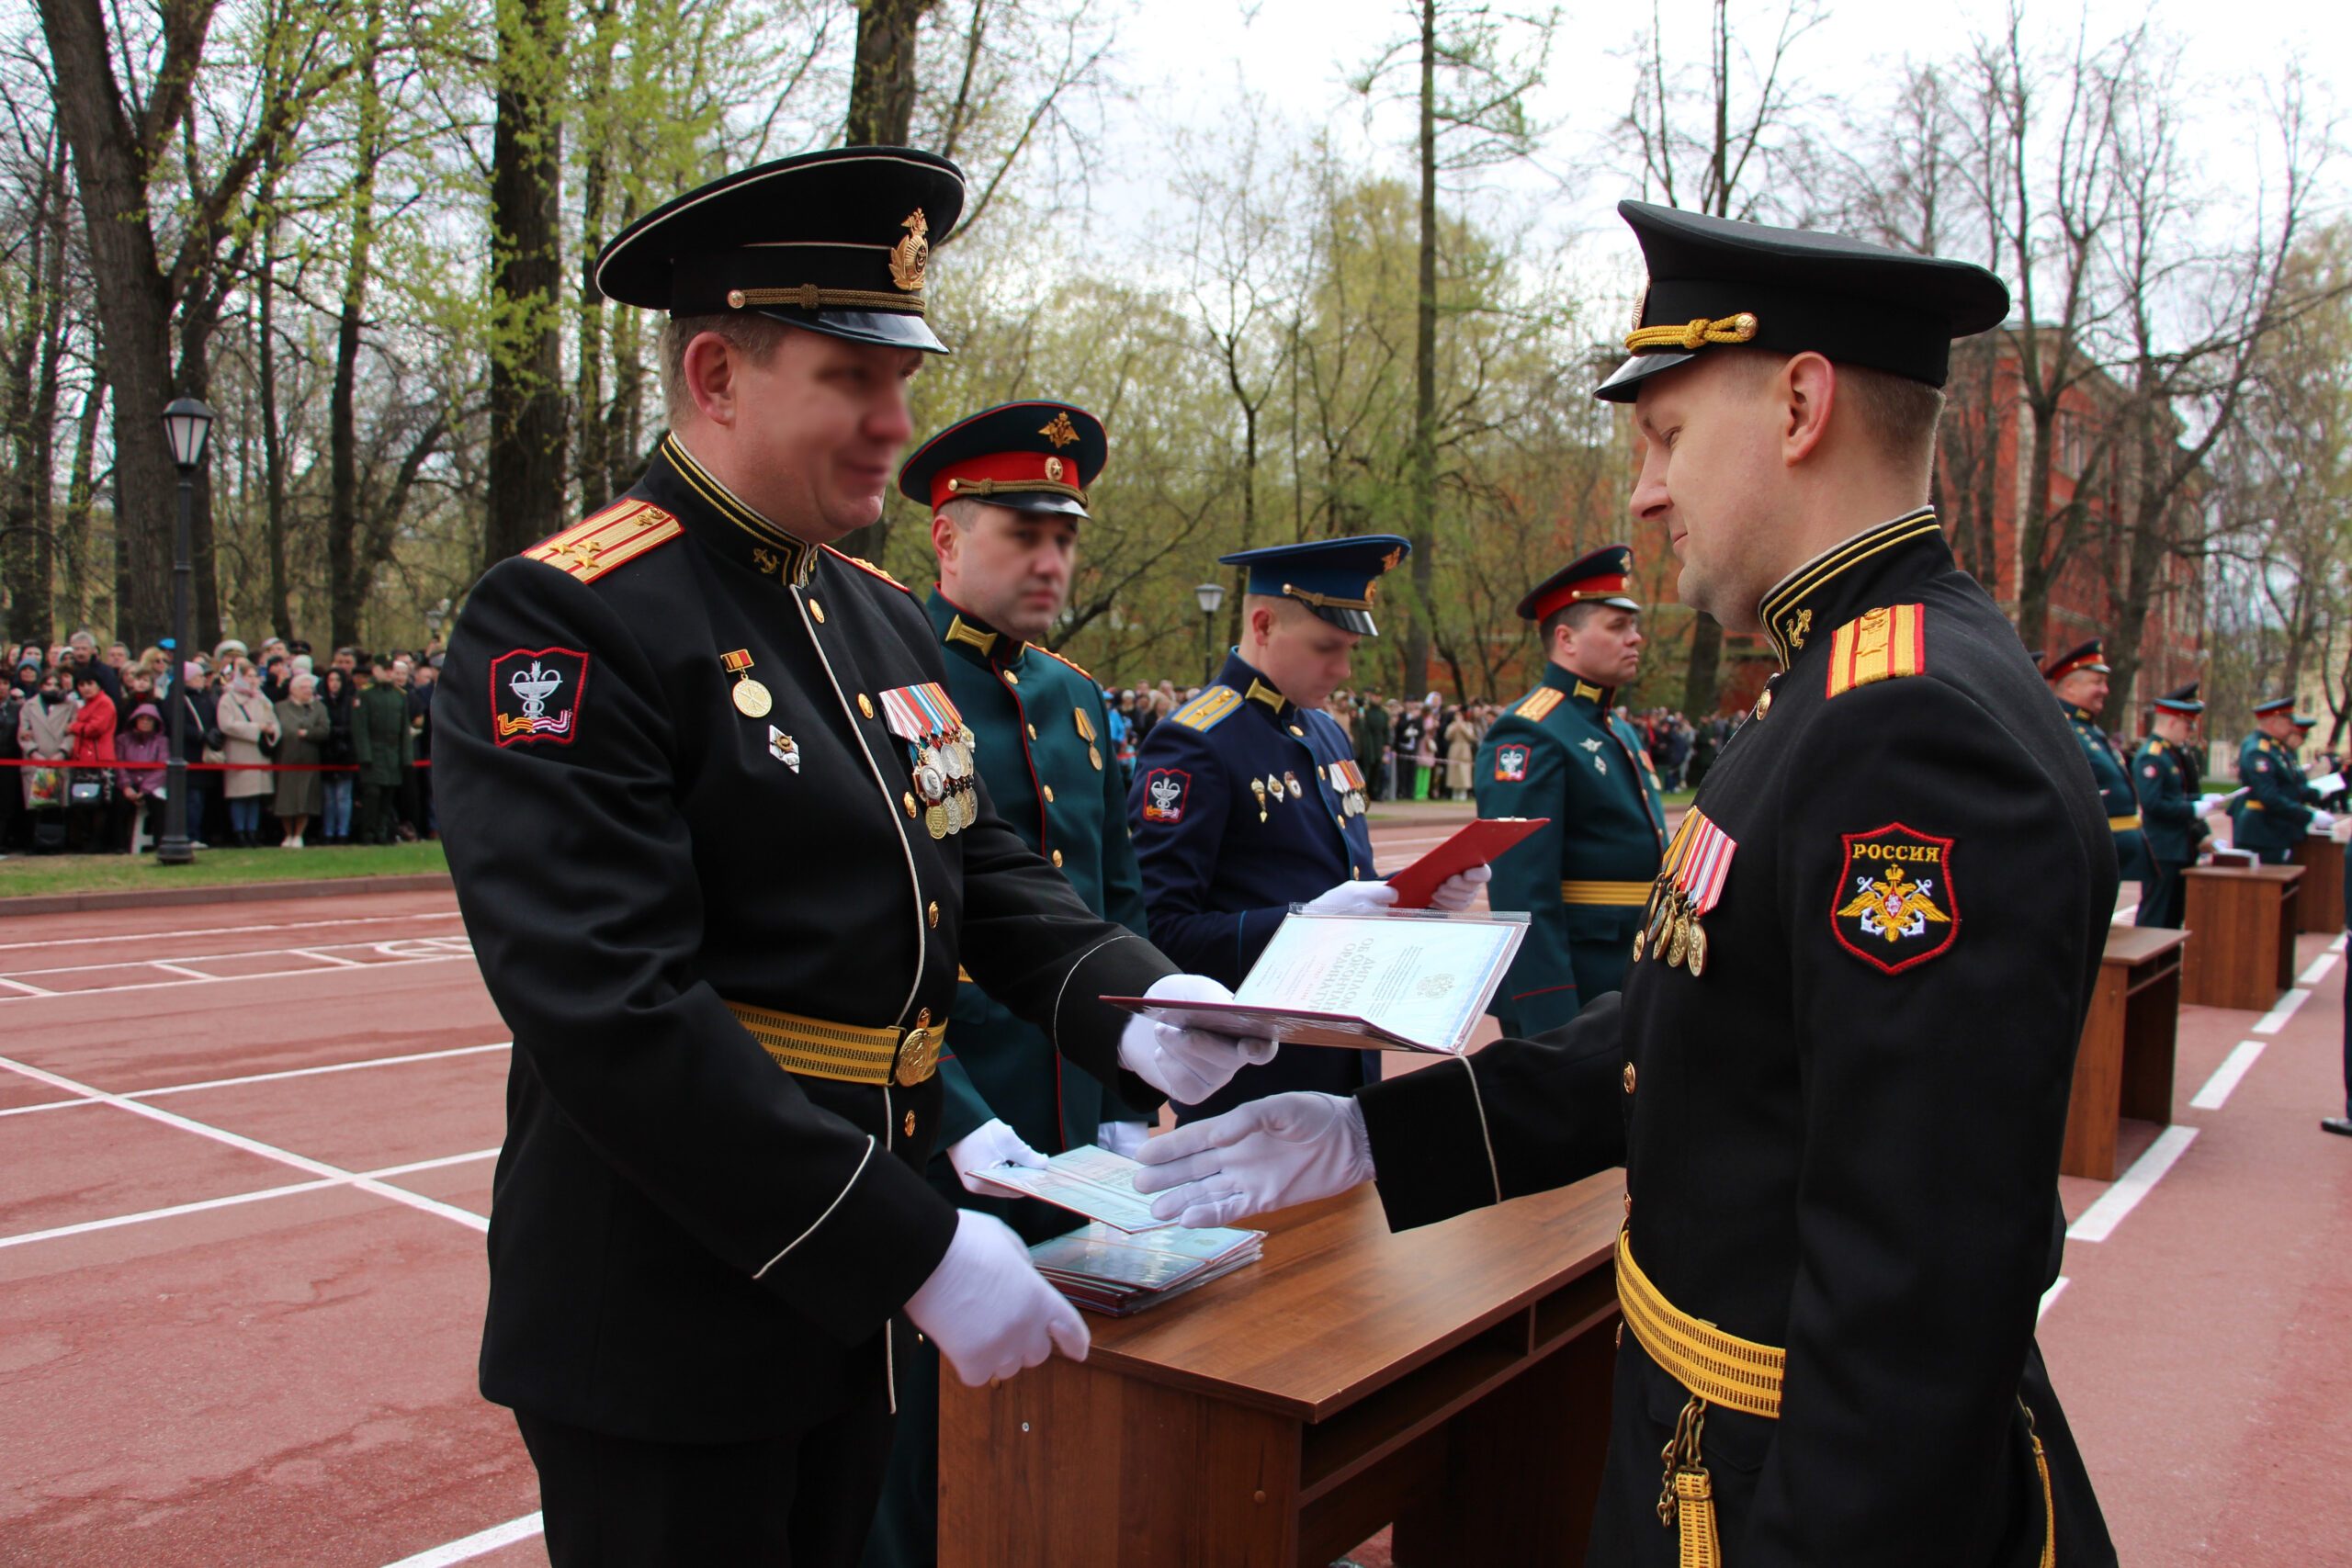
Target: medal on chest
x=1348 y=783
x=1689 y=886
x=752 y=699
x=939 y=755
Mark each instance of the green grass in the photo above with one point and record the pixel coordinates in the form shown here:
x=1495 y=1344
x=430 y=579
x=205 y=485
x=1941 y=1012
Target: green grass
x=27 y=876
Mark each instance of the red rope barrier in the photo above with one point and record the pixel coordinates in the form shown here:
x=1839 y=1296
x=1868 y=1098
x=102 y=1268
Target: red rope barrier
x=159 y=766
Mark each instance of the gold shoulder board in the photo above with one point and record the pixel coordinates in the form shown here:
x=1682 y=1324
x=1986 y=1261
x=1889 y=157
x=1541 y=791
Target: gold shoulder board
x=613 y=538
x=1209 y=709
x=1537 y=702
x=1884 y=644
x=868 y=568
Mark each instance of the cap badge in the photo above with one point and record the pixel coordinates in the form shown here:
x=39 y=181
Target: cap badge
x=1388 y=562
x=1060 y=431
x=1641 y=303
x=910 y=255
x=1054 y=470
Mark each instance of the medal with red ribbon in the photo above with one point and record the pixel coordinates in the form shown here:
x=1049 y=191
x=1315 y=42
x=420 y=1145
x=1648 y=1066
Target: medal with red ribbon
x=1689 y=884
x=939 y=754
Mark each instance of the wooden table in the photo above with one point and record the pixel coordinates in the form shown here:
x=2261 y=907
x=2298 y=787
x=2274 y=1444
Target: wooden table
x=2124 y=1066
x=2245 y=918
x=1453 y=1381
x=2322 y=891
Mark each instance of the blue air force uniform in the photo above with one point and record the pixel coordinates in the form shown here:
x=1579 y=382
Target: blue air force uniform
x=1245 y=803
x=2163 y=776
x=2107 y=768
x=1561 y=752
x=2276 y=813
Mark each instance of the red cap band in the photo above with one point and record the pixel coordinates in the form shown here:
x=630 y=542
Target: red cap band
x=1007 y=471
x=1609 y=586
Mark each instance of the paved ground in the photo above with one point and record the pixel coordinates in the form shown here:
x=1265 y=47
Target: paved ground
x=244 y=1166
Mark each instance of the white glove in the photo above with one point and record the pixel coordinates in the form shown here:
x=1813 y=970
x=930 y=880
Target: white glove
x=1122 y=1137
x=1269 y=1154
x=989 y=1310
x=1369 y=896
x=1460 y=891
x=991 y=1144
x=2322 y=820
x=1187 y=1064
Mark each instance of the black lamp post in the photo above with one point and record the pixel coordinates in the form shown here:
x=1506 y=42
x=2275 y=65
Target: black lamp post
x=1210 y=595
x=188 y=423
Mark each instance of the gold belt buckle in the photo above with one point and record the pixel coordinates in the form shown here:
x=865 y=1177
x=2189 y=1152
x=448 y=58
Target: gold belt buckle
x=918 y=1055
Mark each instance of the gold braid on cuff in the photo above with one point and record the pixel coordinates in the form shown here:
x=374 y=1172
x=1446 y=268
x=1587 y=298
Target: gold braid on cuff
x=1693 y=336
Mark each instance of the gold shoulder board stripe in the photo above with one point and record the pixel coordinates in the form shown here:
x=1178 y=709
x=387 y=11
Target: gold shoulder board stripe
x=1060 y=659
x=1209 y=709
x=868 y=568
x=1884 y=644
x=1538 y=703
x=613 y=538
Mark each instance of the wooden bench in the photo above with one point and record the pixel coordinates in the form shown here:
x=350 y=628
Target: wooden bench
x=2322 y=894
x=2245 y=918
x=2125 y=1065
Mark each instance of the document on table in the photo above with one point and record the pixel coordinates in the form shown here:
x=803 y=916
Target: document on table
x=1398 y=981
x=1086 y=1180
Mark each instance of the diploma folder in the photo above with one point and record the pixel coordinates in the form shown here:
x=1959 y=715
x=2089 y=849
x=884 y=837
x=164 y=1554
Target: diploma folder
x=1481 y=844
x=1382 y=982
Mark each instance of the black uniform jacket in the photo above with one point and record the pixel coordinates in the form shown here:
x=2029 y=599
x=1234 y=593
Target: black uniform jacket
x=1841 y=1137
x=689 y=1243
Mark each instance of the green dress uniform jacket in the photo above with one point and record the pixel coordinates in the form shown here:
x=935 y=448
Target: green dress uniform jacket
x=1560 y=752
x=1044 y=752
x=380 y=734
x=2275 y=812
x=2115 y=792
x=691 y=1241
x=1841 y=1131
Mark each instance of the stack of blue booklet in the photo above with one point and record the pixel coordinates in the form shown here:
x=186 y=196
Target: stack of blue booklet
x=1105 y=1270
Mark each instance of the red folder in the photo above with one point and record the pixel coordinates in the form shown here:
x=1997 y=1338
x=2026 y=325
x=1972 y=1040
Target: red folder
x=1481 y=844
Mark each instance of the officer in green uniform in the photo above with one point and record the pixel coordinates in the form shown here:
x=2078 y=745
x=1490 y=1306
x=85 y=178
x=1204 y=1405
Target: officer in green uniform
x=2278 y=809
x=2078 y=679
x=1007 y=493
x=1561 y=752
x=1841 y=1059
x=2168 y=813
x=2190 y=759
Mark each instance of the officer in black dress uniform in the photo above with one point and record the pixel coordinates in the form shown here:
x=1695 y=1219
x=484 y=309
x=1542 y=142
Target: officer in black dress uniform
x=2078 y=680
x=721 y=850
x=1843 y=1050
x=1248 y=798
x=2165 y=779
x=2190 y=759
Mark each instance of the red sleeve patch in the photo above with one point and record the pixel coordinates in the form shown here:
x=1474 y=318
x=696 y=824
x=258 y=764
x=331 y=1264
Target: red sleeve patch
x=535 y=696
x=1164 y=794
x=1894 y=907
x=1511 y=764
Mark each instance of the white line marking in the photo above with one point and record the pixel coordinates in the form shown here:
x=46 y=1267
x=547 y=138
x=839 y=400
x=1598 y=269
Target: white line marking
x=2318 y=971
x=229 y=979
x=2123 y=917
x=2335 y=946
x=28 y=990
x=2050 y=1298
x=230 y=930
x=313 y=1072
x=479 y=1545
x=255 y=1146
x=2274 y=1020
x=324 y=957
x=2099 y=1221
x=152 y=963
x=2216 y=1092
x=392 y=947
x=116 y=1221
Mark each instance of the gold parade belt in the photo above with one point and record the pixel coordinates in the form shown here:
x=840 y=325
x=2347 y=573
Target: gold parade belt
x=1619 y=895
x=847 y=1052
x=1716 y=1367
x=2123 y=824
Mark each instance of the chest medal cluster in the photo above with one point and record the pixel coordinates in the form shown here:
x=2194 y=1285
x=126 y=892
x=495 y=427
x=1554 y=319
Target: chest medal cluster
x=1347 y=779
x=1689 y=884
x=939 y=755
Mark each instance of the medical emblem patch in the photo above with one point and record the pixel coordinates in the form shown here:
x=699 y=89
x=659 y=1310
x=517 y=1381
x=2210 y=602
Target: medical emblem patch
x=1511 y=764
x=1164 y=790
x=535 y=696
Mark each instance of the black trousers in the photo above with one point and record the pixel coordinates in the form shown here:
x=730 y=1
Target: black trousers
x=2164 y=897
x=376 y=807
x=802 y=1501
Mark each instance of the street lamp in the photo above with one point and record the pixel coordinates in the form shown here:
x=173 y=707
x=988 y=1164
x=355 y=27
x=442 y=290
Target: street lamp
x=1210 y=595
x=188 y=423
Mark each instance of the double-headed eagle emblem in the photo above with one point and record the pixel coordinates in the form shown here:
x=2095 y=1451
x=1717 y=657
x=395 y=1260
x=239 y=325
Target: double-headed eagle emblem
x=1894 y=907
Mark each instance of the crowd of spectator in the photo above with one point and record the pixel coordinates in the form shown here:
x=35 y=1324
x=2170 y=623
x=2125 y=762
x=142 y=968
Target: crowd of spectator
x=284 y=750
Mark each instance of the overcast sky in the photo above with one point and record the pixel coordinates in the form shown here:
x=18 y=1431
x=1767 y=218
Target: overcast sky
x=1189 y=62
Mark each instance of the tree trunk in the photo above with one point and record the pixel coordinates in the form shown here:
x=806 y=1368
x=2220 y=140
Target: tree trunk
x=273 y=445
x=81 y=494
x=526 y=414
x=31 y=419
x=882 y=79
x=2037 y=569
x=592 y=464
x=347 y=578
x=1422 y=517
x=134 y=300
x=1703 y=674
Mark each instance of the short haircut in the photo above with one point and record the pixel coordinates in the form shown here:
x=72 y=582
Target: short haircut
x=1575 y=614
x=1898 y=415
x=964 y=511
x=750 y=333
